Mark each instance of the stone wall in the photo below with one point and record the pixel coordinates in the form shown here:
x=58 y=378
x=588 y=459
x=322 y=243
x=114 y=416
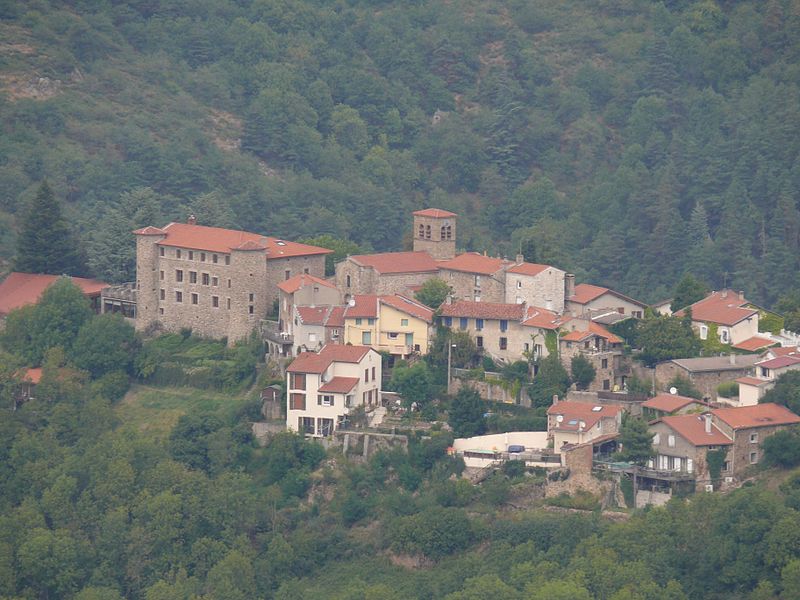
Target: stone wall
x=278 y=268
x=438 y=246
x=365 y=280
x=489 y=391
x=469 y=286
x=706 y=381
x=545 y=289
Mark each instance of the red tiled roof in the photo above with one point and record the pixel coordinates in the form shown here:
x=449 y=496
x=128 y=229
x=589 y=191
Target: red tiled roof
x=317 y=362
x=585 y=293
x=754 y=343
x=313 y=315
x=291 y=285
x=593 y=329
x=759 y=415
x=217 y=239
x=398 y=262
x=753 y=381
x=779 y=362
x=472 y=262
x=408 y=306
x=576 y=412
x=724 y=307
x=362 y=306
x=484 y=310
x=670 y=402
x=692 y=428
x=785 y=350
x=527 y=268
x=149 y=230
x=32 y=375
x=436 y=213
x=19 y=289
x=336 y=317
x=339 y=385
x=542 y=318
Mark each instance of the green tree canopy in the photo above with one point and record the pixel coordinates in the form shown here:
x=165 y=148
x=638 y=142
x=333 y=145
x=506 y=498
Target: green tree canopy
x=413 y=383
x=582 y=371
x=785 y=392
x=688 y=291
x=466 y=413
x=551 y=379
x=104 y=344
x=433 y=292
x=636 y=441
x=665 y=338
x=46 y=242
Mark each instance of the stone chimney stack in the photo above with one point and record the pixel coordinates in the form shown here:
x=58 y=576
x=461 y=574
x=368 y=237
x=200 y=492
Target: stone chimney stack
x=741 y=295
x=519 y=259
x=724 y=293
x=707 y=423
x=192 y=220
x=569 y=285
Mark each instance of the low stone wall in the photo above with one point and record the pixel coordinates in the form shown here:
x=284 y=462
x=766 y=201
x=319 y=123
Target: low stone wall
x=489 y=391
x=362 y=445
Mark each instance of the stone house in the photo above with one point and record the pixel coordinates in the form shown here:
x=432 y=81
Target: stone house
x=536 y=285
x=476 y=277
x=324 y=388
x=303 y=290
x=600 y=347
x=587 y=300
x=385 y=273
x=664 y=405
x=752 y=388
x=707 y=372
x=20 y=289
x=220 y=283
x=725 y=312
x=570 y=423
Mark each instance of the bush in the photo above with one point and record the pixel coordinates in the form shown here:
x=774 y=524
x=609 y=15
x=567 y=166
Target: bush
x=434 y=533
x=782 y=448
x=582 y=500
x=728 y=389
x=112 y=386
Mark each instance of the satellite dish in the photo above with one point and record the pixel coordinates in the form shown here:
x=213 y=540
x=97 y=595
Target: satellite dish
x=351 y=302
x=673 y=390
x=559 y=418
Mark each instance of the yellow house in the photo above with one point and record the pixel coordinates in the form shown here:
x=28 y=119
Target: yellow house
x=391 y=323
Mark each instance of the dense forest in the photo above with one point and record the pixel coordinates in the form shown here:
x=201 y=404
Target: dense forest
x=628 y=141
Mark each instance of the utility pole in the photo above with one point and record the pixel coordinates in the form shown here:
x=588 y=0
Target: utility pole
x=449 y=362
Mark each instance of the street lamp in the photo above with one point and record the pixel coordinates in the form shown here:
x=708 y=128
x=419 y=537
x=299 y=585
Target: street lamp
x=449 y=363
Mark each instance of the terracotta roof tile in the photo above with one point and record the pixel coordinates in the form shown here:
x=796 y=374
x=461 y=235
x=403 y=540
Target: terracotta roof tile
x=724 y=307
x=527 y=268
x=32 y=375
x=339 y=385
x=760 y=415
x=593 y=329
x=313 y=315
x=19 y=289
x=692 y=428
x=574 y=413
x=670 y=402
x=436 y=213
x=398 y=262
x=472 y=262
x=542 y=318
x=779 y=362
x=484 y=310
x=754 y=343
x=291 y=285
x=149 y=230
x=217 y=239
x=362 y=306
x=585 y=293
x=318 y=362
x=408 y=306
x=753 y=381
x=336 y=317
x=785 y=350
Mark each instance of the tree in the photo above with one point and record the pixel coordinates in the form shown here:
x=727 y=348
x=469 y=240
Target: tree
x=583 y=373
x=688 y=291
x=414 y=383
x=782 y=448
x=550 y=380
x=685 y=387
x=785 y=392
x=466 y=413
x=636 y=441
x=433 y=292
x=341 y=249
x=104 y=344
x=665 y=338
x=46 y=243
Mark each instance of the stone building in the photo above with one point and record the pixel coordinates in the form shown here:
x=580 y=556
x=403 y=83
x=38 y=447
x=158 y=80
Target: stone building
x=435 y=233
x=706 y=372
x=476 y=277
x=577 y=422
x=384 y=273
x=217 y=282
x=600 y=347
x=535 y=284
x=726 y=313
x=303 y=290
x=591 y=300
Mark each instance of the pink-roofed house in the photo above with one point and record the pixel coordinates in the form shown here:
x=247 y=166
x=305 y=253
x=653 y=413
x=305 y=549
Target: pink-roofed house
x=590 y=300
x=536 y=285
x=600 y=347
x=728 y=312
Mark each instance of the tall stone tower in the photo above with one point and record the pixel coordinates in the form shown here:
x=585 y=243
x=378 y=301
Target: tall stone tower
x=147 y=275
x=435 y=232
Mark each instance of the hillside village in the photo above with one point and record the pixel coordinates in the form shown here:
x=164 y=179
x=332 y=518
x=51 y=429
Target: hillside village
x=337 y=340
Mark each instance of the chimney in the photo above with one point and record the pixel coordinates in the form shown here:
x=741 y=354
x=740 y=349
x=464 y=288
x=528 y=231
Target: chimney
x=192 y=220
x=732 y=358
x=569 y=285
x=449 y=299
x=724 y=293
x=519 y=259
x=707 y=419
x=555 y=399
x=741 y=295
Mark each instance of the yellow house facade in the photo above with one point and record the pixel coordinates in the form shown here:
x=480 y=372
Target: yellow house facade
x=393 y=324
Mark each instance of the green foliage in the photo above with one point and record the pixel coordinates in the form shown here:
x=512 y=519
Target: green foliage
x=414 y=383
x=638 y=386
x=434 y=533
x=104 y=344
x=581 y=500
x=782 y=448
x=341 y=249
x=466 y=413
x=685 y=387
x=636 y=441
x=715 y=460
x=666 y=338
x=626 y=485
x=785 y=392
x=688 y=291
x=728 y=389
x=46 y=243
x=583 y=373
x=550 y=380
x=433 y=292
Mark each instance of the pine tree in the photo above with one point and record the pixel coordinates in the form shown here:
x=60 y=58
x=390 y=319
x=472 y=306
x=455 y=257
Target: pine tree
x=46 y=244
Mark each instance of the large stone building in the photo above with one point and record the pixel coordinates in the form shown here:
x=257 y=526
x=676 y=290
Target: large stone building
x=217 y=282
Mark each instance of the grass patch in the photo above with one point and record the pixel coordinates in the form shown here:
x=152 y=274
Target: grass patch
x=154 y=411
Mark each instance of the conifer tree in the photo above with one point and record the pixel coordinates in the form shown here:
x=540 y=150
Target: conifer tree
x=46 y=244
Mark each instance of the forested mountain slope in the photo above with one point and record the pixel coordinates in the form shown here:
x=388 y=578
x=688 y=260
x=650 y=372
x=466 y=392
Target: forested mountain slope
x=626 y=140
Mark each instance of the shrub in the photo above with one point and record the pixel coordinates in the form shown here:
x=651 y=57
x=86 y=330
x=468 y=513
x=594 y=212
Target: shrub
x=728 y=389
x=112 y=386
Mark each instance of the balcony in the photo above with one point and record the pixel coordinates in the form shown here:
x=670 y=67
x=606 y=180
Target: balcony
x=604 y=463
x=270 y=330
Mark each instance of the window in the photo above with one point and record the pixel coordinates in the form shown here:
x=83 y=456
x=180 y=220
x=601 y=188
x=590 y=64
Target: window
x=637 y=314
x=443 y=232
x=366 y=375
x=191 y=255
x=250 y=309
x=305 y=270
x=427 y=232
x=479 y=341
x=161 y=275
x=205 y=279
x=325 y=427
x=163 y=294
x=229 y=303
x=229 y=283
x=178 y=296
x=178 y=275
x=726 y=466
x=753 y=438
x=753 y=458
x=347 y=281
x=161 y=311
x=448 y=321
x=724 y=336
x=478 y=324
x=251 y=297
x=370 y=321
x=192 y=276
x=215 y=281
x=657 y=439
x=462 y=323
x=334 y=333
x=604 y=363
x=503 y=325
x=358 y=321
x=297 y=381
x=392 y=335
x=215 y=301
x=161 y=251
x=606 y=384
x=527 y=347
x=178 y=253
x=403 y=322
x=703 y=332
x=297 y=402
x=503 y=343
x=421 y=233
x=373 y=373
x=366 y=338
x=537 y=350
x=195 y=298
x=287 y=274
x=214 y=258
x=325 y=400
x=477 y=281
x=764 y=372
x=227 y=259
x=305 y=425
x=202 y=257
x=671 y=440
